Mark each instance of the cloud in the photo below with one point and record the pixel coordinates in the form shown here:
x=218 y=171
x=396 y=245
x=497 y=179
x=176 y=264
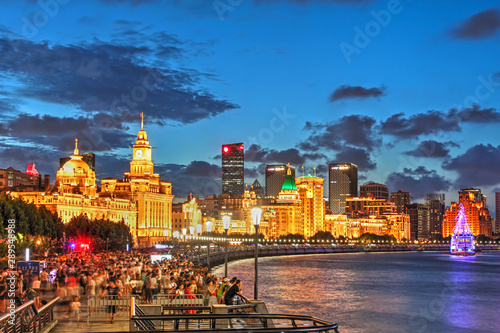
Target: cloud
x=18 y=157
x=346 y=92
x=481 y=25
x=355 y=130
x=198 y=177
x=431 y=149
x=359 y=156
x=430 y=122
x=98 y=133
x=110 y=78
x=418 y=182
x=478 y=166
x=475 y=114
x=256 y=153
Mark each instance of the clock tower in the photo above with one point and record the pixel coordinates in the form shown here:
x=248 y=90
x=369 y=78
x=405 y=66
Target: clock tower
x=141 y=164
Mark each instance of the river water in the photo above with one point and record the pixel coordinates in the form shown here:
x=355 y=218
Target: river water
x=381 y=292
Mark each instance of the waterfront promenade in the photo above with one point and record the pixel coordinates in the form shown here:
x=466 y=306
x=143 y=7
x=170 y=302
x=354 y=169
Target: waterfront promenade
x=186 y=268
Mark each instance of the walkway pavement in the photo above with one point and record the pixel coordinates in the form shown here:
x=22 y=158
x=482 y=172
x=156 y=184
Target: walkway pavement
x=69 y=324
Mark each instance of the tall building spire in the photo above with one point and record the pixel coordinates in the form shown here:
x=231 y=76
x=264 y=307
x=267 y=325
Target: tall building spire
x=76 y=152
x=142 y=120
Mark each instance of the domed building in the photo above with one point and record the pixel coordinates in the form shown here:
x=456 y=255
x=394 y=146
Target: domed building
x=76 y=177
x=75 y=193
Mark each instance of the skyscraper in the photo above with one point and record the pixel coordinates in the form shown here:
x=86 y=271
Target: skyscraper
x=437 y=207
x=377 y=191
x=275 y=177
x=233 y=169
x=419 y=221
x=343 y=183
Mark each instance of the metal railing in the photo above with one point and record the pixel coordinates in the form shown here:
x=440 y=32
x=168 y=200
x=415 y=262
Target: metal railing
x=27 y=318
x=102 y=307
x=241 y=323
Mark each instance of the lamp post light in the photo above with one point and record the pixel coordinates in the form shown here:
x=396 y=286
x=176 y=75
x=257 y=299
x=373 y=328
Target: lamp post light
x=226 y=221
x=209 y=229
x=184 y=232
x=256 y=215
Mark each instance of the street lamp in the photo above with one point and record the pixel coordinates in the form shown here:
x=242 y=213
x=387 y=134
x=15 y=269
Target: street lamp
x=226 y=221
x=256 y=214
x=184 y=231
x=209 y=229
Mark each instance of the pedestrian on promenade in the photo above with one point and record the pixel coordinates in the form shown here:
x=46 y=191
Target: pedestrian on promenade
x=114 y=292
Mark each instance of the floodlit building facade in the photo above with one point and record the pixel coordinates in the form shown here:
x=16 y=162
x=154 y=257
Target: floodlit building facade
x=478 y=216
x=75 y=193
x=152 y=195
x=285 y=215
x=311 y=191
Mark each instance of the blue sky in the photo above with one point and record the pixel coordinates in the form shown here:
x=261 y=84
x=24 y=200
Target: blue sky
x=408 y=90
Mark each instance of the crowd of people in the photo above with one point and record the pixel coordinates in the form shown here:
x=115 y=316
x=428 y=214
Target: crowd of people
x=117 y=274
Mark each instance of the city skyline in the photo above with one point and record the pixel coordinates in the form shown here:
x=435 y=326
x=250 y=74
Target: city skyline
x=307 y=83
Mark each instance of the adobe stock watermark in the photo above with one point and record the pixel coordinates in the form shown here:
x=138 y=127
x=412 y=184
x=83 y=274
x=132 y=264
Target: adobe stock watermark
x=277 y=124
x=48 y=9
x=419 y=320
x=372 y=28
x=223 y=6
x=11 y=279
x=483 y=91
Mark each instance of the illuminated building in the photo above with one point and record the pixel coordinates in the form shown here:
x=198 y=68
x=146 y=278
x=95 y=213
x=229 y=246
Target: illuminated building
x=76 y=177
x=478 y=216
x=74 y=194
x=286 y=213
x=186 y=215
x=19 y=181
x=87 y=158
x=420 y=222
x=275 y=177
x=377 y=191
x=238 y=207
x=397 y=225
x=358 y=206
x=152 y=195
x=401 y=199
x=31 y=170
x=343 y=183
x=497 y=212
x=233 y=169
x=437 y=207
x=257 y=188
x=311 y=195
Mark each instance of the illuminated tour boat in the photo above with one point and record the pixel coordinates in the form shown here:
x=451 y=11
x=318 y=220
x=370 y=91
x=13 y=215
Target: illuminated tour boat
x=462 y=239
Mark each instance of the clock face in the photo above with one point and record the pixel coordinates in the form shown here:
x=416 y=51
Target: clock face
x=138 y=153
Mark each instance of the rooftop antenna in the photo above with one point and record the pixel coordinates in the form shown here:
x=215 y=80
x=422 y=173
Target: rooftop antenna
x=142 y=120
x=303 y=175
x=314 y=172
